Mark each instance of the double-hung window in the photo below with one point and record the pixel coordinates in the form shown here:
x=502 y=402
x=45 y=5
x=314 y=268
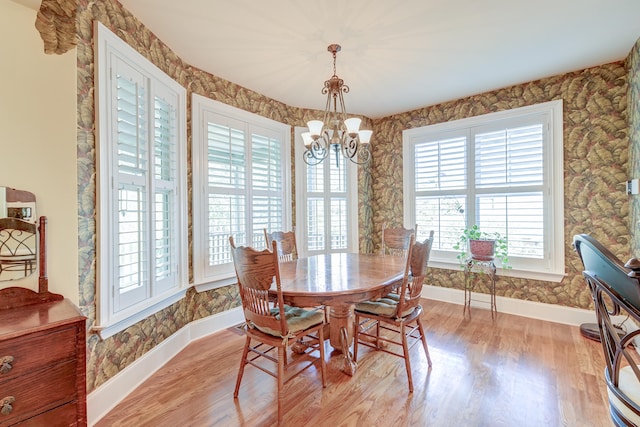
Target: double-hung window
x=501 y=171
x=241 y=185
x=326 y=203
x=142 y=185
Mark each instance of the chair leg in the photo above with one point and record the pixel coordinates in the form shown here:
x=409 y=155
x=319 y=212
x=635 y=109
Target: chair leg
x=243 y=363
x=377 y=334
x=322 y=362
x=407 y=363
x=424 y=340
x=281 y=354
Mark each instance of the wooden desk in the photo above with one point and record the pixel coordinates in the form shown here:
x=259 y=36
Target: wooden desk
x=339 y=281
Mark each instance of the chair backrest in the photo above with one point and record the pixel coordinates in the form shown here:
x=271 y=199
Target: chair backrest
x=286 y=244
x=257 y=272
x=414 y=275
x=616 y=291
x=395 y=240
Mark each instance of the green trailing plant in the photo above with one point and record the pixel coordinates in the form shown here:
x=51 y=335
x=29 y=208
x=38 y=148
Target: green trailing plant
x=474 y=233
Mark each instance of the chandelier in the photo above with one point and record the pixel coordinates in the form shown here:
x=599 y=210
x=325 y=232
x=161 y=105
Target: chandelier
x=336 y=131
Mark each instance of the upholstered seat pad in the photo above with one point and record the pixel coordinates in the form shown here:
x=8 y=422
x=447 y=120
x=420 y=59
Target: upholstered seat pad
x=298 y=319
x=630 y=386
x=382 y=307
x=386 y=306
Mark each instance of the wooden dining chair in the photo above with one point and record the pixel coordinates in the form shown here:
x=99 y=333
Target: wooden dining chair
x=395 y=240
x=397 y=313
x=286 y=240
x=269 y=334
x=288 y=251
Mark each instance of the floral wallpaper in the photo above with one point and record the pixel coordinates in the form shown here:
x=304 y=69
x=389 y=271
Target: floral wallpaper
x=596 y=149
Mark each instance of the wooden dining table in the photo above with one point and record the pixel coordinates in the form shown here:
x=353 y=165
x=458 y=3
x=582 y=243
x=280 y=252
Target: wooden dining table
x=339 y=281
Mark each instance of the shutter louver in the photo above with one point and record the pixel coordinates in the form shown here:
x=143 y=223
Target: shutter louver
x=510 y=157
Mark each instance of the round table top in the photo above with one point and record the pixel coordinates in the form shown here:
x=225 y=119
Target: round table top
x=340 y=278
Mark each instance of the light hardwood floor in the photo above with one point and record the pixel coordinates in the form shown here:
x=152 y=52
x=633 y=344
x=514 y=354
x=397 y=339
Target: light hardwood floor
x=513 y=371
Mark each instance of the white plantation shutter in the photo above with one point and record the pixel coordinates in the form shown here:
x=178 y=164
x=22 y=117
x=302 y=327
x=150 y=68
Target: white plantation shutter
x=440 y=168
x=510 y=167
x=227 y=181
x=142 y=185
x=131 y=172
x=166 y=225
x=502 y=171
x=240 y=181
x=327 y=208
x=267 y=182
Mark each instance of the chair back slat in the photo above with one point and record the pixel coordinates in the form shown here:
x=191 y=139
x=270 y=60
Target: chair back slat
x=396 y=240
x=415 y=274
x=257 y=271
x=286 y=244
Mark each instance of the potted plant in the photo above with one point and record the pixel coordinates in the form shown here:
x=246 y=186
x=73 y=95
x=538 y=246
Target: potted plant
x=481 y=246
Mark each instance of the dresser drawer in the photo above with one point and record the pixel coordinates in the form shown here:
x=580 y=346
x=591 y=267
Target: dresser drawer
x=63 y=416
x=39 y=391
x=38 y=350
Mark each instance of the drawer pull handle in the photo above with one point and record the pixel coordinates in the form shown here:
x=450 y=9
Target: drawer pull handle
x=5 y=364
x=6 y=405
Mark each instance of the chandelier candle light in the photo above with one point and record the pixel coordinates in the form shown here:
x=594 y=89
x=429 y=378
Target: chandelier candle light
x=336 y=130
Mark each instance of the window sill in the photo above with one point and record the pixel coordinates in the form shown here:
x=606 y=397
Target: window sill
x=214 y=284
x=512 y=272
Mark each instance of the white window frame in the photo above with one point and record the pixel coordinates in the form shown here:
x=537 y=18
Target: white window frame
x=109 y=50
x=210 y=277
x=301 y=198
x=552 y=268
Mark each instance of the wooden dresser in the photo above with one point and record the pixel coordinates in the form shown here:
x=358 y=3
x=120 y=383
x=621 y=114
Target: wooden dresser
x=43 y=365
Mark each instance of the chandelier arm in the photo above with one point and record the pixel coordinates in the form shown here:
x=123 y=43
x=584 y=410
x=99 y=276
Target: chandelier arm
x=363 y=155
x=316 y=152
x=343 y=111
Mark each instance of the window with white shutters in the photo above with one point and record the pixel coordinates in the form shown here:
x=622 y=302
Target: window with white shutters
x=241 y=165
x=142 y=182
x=501 y=171
x=326 y=207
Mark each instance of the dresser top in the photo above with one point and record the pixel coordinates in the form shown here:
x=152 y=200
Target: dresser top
x=36 y=317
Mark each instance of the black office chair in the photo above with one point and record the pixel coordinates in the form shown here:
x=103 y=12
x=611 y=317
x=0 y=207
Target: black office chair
x=615 y=288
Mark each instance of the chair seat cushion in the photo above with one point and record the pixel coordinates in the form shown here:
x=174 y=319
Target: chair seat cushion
x=298 y=319
x=385 y=306
x=630 y=386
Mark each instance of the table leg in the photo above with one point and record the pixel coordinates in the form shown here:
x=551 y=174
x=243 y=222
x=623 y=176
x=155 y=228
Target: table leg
x=341 y=334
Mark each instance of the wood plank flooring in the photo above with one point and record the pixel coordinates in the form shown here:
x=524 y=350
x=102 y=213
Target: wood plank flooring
x=512 y=371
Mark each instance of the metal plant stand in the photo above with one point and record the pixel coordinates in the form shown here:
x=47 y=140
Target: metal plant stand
x=489 y=268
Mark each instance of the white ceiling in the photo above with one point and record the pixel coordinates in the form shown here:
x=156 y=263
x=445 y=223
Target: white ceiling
x=396 y=55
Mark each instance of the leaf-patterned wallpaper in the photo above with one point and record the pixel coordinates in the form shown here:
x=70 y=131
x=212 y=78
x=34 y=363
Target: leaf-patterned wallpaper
x=596 y=163
x=633 y=65
x=596 y=147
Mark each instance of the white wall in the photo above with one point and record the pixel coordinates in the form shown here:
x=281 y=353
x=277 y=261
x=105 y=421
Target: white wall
x=38 y=139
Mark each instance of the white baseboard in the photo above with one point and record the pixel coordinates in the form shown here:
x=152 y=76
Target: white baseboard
x=531 y=309
x=101 y=400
